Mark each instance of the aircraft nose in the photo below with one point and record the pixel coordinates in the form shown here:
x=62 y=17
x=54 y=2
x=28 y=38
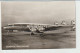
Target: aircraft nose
x=5 y=27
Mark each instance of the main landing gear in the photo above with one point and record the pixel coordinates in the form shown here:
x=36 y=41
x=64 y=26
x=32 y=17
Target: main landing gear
x=32 y=33
x=41 y=34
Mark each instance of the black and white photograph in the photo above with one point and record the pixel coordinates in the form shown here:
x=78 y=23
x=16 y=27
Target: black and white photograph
x=38 y=25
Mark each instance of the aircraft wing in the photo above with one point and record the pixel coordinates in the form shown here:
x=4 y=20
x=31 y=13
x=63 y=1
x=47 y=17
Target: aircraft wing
x=58 y=27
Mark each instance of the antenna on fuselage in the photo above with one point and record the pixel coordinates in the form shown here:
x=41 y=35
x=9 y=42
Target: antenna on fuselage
x=63 y=22
x=56 y=23
x=72 y=22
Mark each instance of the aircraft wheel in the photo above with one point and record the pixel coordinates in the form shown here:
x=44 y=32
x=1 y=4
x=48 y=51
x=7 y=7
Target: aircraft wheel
x=42 y=35
x=32 y=33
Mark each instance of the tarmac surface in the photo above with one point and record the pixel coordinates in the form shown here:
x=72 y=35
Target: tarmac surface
x=23 y=40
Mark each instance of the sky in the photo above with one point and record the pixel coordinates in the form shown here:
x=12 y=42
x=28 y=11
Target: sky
x=44 y=12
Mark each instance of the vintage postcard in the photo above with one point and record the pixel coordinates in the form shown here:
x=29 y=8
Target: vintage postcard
x=38 y=25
